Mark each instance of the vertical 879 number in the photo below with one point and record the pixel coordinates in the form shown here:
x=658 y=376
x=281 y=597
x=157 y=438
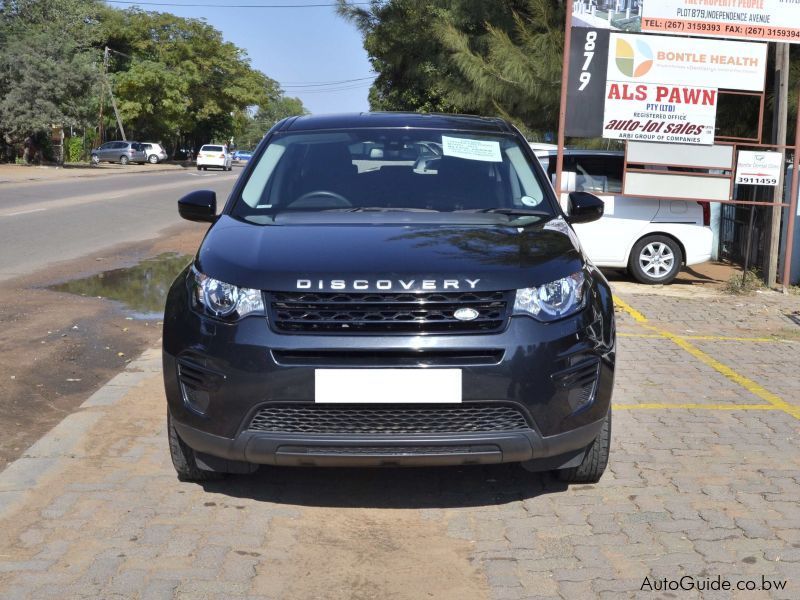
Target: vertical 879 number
x=588 y=53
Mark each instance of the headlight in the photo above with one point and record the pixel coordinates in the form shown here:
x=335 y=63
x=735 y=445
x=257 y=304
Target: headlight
x=553 y=300
x=223 y=299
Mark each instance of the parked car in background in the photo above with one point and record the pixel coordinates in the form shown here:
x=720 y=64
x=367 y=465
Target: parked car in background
x=212 y=155
x=120 y=152
x=155 y=153
x=242 y=156
x=183 y=154
x=650 y=237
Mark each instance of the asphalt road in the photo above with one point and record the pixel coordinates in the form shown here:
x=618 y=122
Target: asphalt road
x=42 y=223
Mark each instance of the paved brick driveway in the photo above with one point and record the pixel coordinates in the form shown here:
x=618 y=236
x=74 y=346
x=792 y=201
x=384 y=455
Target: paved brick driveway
x=704 y=481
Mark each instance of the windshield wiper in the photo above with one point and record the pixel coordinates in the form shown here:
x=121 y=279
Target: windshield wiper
x=514 y=212
x=378 y=209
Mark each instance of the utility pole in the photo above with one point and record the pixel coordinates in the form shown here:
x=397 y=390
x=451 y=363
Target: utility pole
x=101 y=129
x=780 y=118
x=111 y=93
x=116 y=113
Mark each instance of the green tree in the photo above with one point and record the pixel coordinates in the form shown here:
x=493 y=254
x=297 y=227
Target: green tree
x=177 y=78
x=403 y=50
x=511 y=72
x=251 y=125
x=470 y=56
x=48 y=65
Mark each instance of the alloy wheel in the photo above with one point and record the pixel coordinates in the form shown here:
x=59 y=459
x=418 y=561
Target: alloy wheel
x=656 y=259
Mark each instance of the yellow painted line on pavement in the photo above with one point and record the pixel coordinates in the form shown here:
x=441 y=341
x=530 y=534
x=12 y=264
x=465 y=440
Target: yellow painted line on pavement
x=727 y=338
x=708 y=338
x=637 y=316
x=748 y=384
x=690 y=406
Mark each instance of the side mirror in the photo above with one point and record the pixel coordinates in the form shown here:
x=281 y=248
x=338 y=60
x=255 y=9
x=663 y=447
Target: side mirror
x=584 y=207
x=199 y=206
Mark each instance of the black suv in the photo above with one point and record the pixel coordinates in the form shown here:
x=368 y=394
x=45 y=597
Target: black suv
x=390 y=289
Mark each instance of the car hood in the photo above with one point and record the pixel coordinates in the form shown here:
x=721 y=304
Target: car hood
x=396 y=257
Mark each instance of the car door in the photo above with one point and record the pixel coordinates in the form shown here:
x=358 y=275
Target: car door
x=141 y=152
x=625 y=219
x=117 y=150
x=104 y=151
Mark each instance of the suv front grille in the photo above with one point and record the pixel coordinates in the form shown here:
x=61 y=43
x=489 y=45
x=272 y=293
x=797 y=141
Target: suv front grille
x=379 y=313
x=407 y=419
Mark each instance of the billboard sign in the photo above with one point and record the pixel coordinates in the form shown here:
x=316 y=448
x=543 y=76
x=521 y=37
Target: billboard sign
x=769 y=20
x=687 y=61
x=607 y=14
x=759 y=168
x=586 y=85
x=649 y=112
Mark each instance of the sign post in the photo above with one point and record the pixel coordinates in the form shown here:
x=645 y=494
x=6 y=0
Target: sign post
x=562 y=112
x=787 y=259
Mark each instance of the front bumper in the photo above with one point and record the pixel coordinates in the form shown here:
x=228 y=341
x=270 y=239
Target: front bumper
x=242 y=368
x=284 y=449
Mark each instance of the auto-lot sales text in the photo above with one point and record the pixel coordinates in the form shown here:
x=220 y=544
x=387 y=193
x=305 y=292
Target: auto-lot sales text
x=654 y=126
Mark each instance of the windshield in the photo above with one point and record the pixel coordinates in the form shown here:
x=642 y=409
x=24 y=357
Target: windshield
x=392 y=170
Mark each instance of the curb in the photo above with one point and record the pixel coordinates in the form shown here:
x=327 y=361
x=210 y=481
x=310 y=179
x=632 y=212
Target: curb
x=63 y=441
x=93 y=173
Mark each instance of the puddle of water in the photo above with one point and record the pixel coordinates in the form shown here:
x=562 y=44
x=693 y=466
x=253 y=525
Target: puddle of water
x=142 y=289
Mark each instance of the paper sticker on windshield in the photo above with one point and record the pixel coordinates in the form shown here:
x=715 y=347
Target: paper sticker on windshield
x=485 y=150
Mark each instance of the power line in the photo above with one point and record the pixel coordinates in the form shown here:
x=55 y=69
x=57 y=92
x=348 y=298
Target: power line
x=176 y=4
x=325 y=84
x=315 y=82
x=308 y=88
x=339 y=89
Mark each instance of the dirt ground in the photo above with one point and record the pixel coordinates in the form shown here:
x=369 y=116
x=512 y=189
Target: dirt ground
x=57 y=348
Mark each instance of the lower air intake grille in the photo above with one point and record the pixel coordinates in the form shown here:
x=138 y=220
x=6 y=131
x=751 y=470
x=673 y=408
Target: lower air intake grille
x=346 y=419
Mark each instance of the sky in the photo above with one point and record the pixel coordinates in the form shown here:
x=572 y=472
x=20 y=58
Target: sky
x=298 y=47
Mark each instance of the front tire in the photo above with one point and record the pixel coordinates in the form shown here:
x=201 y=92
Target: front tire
x=594 y=461
x=95 y=160
x=655 y=259
x=183 y=458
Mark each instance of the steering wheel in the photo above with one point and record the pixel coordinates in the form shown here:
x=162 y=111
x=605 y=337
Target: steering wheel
x=339 y=200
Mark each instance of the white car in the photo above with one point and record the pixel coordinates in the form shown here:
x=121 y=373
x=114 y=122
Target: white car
x=212 y=155
x=652 y=238
x=155 y=152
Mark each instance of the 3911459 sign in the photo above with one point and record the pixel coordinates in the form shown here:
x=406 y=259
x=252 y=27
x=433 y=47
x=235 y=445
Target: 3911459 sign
x=759 y=168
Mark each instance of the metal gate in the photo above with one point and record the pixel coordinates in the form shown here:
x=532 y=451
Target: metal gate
x=734 y=222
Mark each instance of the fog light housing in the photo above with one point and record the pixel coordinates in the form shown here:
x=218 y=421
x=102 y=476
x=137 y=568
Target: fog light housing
x=194 y=399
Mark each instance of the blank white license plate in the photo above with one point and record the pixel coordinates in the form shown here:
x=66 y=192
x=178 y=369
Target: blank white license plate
x=387 y=386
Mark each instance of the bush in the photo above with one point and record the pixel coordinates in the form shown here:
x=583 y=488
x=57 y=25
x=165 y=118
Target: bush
x=73 y=150
x=744 y=283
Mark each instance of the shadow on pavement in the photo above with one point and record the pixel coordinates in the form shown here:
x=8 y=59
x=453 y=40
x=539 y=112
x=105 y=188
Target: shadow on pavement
x=441 y=487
